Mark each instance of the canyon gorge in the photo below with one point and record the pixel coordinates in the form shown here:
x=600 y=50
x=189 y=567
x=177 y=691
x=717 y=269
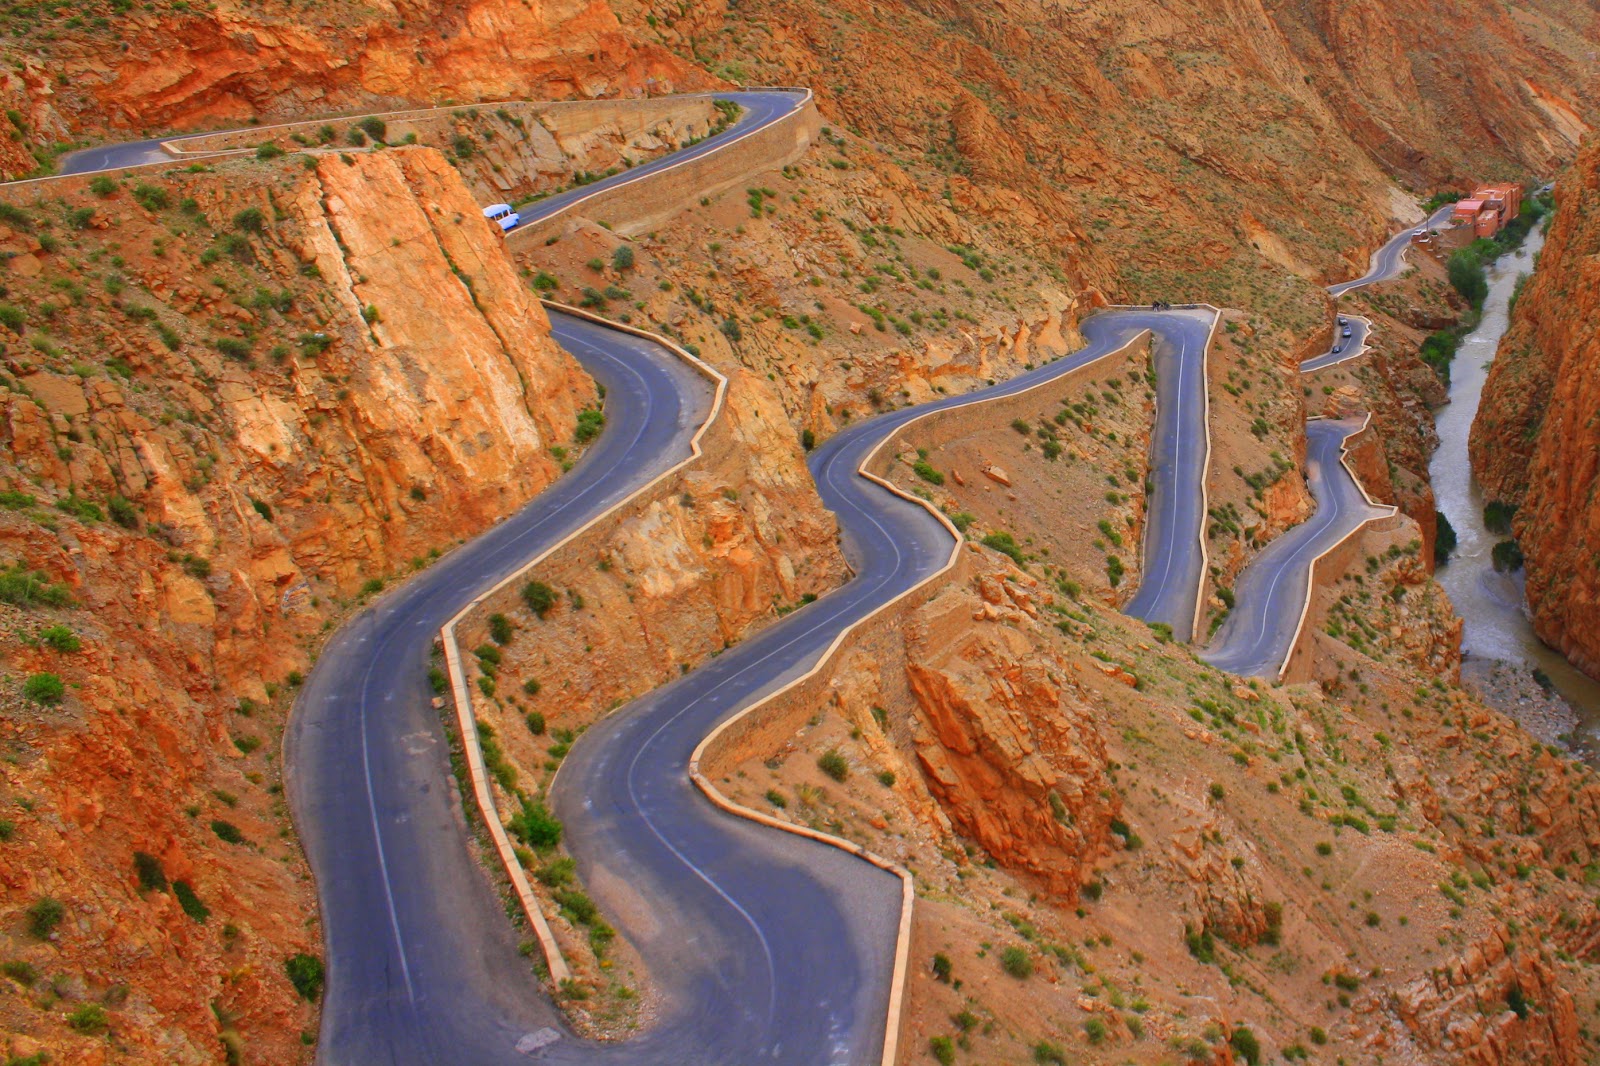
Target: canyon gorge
x=246 y=397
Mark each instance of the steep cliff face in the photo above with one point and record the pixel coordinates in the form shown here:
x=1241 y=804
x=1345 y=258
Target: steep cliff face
x=232 y=403
x=1536 y=442
x=186 y=68
x=1010 y=751
x=1236 y=149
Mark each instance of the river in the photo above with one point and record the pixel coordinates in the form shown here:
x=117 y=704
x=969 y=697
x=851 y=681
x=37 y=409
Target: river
x=1491 y=604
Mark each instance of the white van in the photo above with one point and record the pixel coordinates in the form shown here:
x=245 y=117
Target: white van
x=503 y=214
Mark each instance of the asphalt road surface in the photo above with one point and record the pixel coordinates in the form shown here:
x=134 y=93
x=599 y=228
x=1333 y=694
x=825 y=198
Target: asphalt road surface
x=767 y=947
x=1389 y=261
x=1271 y=592
x=422 y=965
x=1349 y=347
x=760 y=109
x=1173 y=564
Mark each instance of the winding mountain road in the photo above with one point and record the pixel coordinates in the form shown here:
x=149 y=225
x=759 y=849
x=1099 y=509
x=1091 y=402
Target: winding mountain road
x=1389 y=260
x=1273 y=590
x=767 y=947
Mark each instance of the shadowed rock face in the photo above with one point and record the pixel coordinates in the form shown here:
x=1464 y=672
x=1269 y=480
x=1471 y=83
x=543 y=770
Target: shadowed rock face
x=209 y=69
x=1009 y=747
x=265 y=486
x=1536 y=442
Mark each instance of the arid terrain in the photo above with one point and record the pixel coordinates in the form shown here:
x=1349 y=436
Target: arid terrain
x=244 y=398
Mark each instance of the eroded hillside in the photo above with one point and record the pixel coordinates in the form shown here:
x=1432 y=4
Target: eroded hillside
x=240 y=399
x=236 y=403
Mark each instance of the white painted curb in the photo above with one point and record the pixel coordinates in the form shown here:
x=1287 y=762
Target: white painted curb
x=903 y=946
x=466 y=721
x=1311 y=569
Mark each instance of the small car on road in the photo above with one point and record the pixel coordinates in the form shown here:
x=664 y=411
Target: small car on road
x=503 y=214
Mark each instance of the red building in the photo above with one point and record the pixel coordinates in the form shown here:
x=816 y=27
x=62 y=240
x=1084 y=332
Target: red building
x=1489 y=208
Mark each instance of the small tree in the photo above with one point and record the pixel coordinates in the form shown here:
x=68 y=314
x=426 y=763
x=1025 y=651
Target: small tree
x=306 y=974
x=45 y=688
x=43 y=917
x=539 y=597
x=622 y=257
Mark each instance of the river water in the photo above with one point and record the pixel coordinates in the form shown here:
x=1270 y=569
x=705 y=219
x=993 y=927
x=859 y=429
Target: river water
x=1491 y=604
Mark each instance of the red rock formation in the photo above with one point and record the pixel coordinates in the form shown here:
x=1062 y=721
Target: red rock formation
x=219 y=507
x=225 y=65
x=1009 y=748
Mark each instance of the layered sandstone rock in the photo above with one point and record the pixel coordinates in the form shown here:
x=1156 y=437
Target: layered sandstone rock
x=221 y=496
x=1535 y=442
x=225 y=65
x=1009 y=748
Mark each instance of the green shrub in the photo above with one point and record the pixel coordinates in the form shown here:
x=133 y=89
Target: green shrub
x=535 y=826
x=544 y=281
x=531 y=686
x=43 y=917
x=1202 y=944
x=233 y=347
x=942 y=1050
x=12 y=318
x=1016 y=962
x=60 y=638
x=151 y=197
x=1051 y=1054
x=22 y=587
x=44 y=688
x=942 y=967
x=151 y=876
x=557 y=872
x=306 y=974
x=89 y=1019
x=1444 y=541
x=123 y=512
x=81 y=509
x=1497 y=516
x=926 y=472
x=500 y=629
x=539 y=597
x=622 y=257
x=1005 y=544
x=21 y=972
x=249 y=220
x=579 y=907
x=1095 y=1030
x=227 y=831
x=1466 y=273
x=80 y=217
x=535 y=722
x=190 y=902
x=268 y=151
x=102 y=186
x=832 y=763
x=374 y=127
x=590 y=423
x=1506 y=556
x=1245 y=1044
